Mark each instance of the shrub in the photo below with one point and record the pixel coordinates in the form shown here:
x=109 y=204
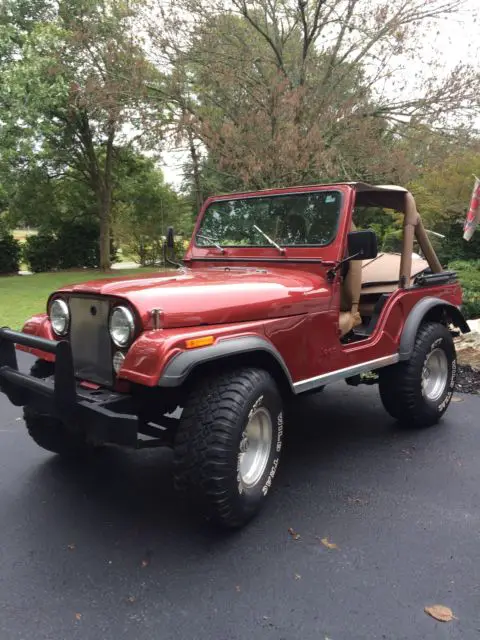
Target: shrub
x=150 y=252
x=40 y=252
x=180 y=248
x=10 y=252
x=77 y=245
x=454 y=248
x=392 y=242
x=469 y=275
x=74 y=245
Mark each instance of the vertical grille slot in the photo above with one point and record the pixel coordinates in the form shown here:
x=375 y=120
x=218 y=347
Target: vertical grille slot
x=90 y=339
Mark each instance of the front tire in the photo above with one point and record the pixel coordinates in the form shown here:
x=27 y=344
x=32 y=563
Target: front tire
x=418 y=392
x=49 y=432
x=228 y=444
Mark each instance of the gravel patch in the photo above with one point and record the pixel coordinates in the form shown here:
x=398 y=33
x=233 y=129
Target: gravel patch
x=468 y=380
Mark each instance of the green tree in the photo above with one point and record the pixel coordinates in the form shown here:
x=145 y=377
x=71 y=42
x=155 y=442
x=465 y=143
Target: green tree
x=443 y=193
x=75 y=91
x=144 y=206
x=278 y=93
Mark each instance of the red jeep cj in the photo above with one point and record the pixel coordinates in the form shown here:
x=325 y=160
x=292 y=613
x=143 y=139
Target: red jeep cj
x=279 y=295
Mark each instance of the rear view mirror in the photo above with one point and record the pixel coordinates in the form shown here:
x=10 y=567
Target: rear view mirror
x=362 y=245
x=170 y=238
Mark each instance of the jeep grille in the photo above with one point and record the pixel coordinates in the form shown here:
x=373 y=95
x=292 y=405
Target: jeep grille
x=90 y=339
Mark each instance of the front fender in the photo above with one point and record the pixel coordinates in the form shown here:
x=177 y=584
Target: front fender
x=39 y=325
x=181 y=365
x=428 y=308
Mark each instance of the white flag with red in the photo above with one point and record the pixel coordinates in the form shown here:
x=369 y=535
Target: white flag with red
x=473 y=215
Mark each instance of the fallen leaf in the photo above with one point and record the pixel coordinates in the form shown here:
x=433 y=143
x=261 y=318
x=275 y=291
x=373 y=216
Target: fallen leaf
x=298 y=576
x=440 y=612
x=295 y=536
x=361 y=501
x=457 y=399
x=144 y=564
x=71 y=546
x=131 y=598
x=329 y=545
x=78 y=616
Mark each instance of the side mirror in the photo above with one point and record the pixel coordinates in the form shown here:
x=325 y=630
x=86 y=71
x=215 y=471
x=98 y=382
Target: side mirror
x=170 y=238
x=362 y=245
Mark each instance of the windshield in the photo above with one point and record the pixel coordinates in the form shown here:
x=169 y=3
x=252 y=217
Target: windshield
x=300 y=219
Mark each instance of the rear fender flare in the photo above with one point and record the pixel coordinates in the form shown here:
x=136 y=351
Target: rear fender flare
x=422 y=310
x=181 y=366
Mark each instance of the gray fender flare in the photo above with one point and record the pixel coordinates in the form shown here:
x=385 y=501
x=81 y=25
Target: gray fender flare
x=181 y=365
x=416 y=317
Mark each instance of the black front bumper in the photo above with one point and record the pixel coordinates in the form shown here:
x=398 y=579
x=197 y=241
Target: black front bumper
x=103 y=415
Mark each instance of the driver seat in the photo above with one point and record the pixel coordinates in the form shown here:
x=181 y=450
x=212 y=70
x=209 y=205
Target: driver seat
x=350 y=296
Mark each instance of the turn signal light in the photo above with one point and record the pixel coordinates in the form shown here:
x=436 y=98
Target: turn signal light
x=199 y=342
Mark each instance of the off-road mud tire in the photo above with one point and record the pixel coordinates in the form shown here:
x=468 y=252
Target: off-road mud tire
x=208 y=441
x=400 y=385
x=49 y=432
x=52 y=435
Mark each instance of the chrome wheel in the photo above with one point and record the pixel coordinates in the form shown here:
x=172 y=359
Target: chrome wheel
x=435 y=374
x=255 y=447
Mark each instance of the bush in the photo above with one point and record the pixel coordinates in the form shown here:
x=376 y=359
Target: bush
x=150 y=252
x=10 y=252
x=454 y=247
x=74 y=245
x=40 y=252
x=392 y=242
x=180 y=248
x=469 y=275
x=77 y=245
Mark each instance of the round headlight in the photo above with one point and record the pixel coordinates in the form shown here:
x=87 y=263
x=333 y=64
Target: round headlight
x=59 y=316
x=122 y=326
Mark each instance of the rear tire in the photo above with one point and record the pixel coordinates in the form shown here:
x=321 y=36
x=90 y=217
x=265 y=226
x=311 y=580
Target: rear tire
x=227 y=448
x=417 y=392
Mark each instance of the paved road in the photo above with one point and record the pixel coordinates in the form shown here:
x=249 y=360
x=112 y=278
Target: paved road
x=109 y=553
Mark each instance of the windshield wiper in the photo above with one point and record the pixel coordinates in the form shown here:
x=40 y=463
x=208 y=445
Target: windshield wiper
x=272 y=242
x=208 y=239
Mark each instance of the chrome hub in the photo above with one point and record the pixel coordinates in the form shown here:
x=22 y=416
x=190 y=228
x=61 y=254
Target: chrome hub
x=255 y=447
x=435 y=375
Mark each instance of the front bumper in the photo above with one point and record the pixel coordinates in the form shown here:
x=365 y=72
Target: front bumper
x=103 y=415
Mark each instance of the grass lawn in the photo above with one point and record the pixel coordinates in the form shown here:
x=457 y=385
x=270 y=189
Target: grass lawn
x=22 y=296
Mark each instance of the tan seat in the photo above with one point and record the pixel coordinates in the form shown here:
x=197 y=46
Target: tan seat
x=380 y=275
x=350 y=296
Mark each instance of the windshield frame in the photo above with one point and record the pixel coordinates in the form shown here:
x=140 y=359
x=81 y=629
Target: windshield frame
x=270 y=194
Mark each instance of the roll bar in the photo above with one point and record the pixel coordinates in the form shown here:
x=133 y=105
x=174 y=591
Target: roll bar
x=413 y=229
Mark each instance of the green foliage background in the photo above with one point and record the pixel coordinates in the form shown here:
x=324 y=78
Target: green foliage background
x=88 y=105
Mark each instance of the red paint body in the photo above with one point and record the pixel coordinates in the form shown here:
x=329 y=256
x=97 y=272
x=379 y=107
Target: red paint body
x=290 y=303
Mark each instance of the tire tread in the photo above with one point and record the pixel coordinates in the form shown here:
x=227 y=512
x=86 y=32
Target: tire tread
x=206 y=437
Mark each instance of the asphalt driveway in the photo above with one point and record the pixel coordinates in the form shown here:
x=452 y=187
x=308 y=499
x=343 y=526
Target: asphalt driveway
x=108 y=552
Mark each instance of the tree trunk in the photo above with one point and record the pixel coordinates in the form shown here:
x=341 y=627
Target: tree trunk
x=100 y=182
x=106 y=202
x=105 y=205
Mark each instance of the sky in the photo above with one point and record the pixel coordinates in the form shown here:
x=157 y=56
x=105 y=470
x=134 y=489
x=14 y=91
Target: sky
x=458 y=41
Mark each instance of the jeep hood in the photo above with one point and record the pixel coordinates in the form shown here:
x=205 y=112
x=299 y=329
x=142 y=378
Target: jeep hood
x=215 y=296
